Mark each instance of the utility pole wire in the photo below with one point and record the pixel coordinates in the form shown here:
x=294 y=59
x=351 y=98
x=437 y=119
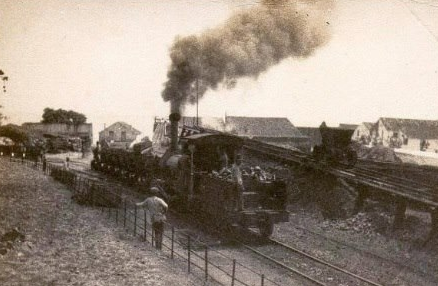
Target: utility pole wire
x=435 y=37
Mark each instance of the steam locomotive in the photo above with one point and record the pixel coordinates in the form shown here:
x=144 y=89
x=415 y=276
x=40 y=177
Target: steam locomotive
x=336 y=147
x=191 y=181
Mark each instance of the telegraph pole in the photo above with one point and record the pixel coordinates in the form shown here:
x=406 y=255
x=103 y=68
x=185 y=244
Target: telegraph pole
x=197 y=105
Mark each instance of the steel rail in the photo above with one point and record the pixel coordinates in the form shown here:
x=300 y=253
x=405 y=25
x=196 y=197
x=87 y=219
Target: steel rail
x=412 y=188
x=324 y=262
x=393 y=177
x=389 y=189
x=367 y=252
x=296 y=271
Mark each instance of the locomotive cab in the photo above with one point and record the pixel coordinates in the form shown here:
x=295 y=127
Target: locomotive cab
x=211 y=191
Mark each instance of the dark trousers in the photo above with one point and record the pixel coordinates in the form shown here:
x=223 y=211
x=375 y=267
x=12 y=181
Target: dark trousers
x=158 y=227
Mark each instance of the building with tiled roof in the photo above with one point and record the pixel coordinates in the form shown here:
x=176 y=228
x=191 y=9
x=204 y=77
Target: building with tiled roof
x=272 y=130
x=215 y=123
x=118 y=135
x=410 y=134
x=348 y=126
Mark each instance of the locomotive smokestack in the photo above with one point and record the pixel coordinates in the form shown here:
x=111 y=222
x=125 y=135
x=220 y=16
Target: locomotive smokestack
x=174 y=117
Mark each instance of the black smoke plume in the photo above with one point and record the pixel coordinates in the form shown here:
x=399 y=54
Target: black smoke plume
x=245 y=46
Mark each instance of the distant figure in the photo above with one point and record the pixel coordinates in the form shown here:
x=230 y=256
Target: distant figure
x=67 y=163
x=156 y=209
x=237 y=176
x=223 y=159
x=96 y=151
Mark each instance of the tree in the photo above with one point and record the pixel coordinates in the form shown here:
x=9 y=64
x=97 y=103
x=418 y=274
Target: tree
x=63 y=116
x=2 y=117
x=15 y=132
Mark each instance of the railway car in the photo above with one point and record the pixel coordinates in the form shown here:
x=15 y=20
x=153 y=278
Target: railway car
x=129 y=166
x=192 y=181
x=336 y=146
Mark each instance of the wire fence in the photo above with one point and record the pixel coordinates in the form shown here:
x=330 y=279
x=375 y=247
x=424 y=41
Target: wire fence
x=207 y=264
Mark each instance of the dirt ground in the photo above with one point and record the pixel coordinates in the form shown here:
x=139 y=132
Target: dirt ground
x=68 y=244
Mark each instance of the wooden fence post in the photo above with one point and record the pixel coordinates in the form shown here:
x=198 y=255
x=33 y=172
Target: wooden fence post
x=135 y=219
x=206 y=262
x=171 y=247
x=145 y=226
x=124 y=212
x=153 y=237
x=117 y=214
x=263 y=280
x=188 y=253
x=233 y=274
x=101 y=197
x=93 y=192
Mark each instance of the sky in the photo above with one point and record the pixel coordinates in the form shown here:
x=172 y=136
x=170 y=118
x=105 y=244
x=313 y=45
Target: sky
x=109 y=60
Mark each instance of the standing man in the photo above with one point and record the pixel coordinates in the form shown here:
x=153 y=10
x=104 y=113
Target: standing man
x=156 y=209
x=237 y=175
x=223 y=159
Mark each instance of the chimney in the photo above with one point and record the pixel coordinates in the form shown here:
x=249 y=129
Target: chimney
x=174 y=118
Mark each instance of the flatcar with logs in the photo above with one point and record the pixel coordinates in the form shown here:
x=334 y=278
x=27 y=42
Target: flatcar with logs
x=192 y=181
x=336 y=147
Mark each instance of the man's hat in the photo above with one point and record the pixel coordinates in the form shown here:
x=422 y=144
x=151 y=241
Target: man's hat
x=154 y=191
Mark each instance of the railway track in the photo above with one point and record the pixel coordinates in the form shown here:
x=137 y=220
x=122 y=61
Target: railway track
x=310 y=268
x=380 y=260
x=297 y=265
x=394 y=178
x=399 y=183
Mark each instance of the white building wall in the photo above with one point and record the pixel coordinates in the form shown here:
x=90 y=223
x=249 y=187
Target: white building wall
x=433 y=146
x=383 y=135
x=359 y=132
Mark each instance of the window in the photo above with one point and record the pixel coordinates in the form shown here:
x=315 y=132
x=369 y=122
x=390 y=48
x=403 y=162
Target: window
x=123 y=136
x=111 y=135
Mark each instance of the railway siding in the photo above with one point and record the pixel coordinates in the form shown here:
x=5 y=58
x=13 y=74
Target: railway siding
x=396 y=190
